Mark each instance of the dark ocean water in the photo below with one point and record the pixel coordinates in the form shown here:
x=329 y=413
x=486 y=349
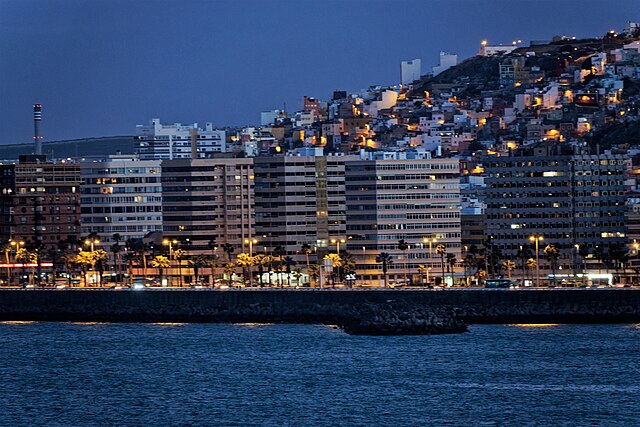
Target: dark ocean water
x=200 y=374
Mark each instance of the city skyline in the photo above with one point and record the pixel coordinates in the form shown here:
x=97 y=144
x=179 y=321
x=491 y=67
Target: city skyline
x=82 y=63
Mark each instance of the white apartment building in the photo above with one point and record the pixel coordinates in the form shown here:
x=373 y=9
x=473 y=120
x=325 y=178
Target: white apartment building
x=410 y=71
x=156 y=141
x=120 y=194
x=393 y=196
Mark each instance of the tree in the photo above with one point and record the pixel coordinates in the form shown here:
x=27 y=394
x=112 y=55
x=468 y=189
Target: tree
x=230 y=269
x=100 y=258
x=404 y=247
x=160 y=262
x=214 y=263
x=116 y=249
x=348 y=266
x=524 y=253
x=509 y=266
x=69 y=260
x=179 y=255
x=451 y=262
x=24 y=256
x=306 y=250
x=245 y=261
x=288 y=263
x=84 y=259
x=423 y=270
x=531 y=265
x=552 y=253
x=314 y=273
x=441 y=250
x=386 y=261
x=229 y=249
x=336 y=263
x=469 y=263
x=196 y=263
x=129 y=259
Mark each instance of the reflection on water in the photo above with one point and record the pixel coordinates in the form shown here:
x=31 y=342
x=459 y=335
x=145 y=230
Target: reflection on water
x=253 y=325
x=168 y=324
x=16 y=322
x=273 y=375
x=534 y=325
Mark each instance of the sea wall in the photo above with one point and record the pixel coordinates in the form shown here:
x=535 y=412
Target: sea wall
x=429 y=307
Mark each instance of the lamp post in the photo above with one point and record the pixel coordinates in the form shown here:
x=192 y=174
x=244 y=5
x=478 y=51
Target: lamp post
x=537 y=240
x=14 y=248
x=91 y=243
x=430 y=241
x=251 y=242
x=170 y=243
x=337 y=243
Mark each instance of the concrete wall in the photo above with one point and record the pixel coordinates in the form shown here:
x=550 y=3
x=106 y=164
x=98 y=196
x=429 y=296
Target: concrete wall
x=328 y=306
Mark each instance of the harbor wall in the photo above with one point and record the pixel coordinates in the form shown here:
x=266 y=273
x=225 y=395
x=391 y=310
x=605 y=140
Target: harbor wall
x=321 y=306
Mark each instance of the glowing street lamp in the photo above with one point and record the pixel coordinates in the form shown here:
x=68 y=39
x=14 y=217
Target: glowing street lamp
x=537 y=240
x=170 y=243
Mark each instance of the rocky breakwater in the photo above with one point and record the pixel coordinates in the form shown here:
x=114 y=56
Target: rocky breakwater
x=401 y=318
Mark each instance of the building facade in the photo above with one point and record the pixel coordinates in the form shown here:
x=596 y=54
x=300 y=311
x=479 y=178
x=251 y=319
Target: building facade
x=300 y=200
x=574 y=200
x=40 y=203
x=121 y=195
x=208 y=203
x=402 y=196
x=177 y=141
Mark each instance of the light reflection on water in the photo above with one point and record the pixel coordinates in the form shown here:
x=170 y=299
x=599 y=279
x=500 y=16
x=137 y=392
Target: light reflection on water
x=534 y=325
x=16 y=322
x=247 y=374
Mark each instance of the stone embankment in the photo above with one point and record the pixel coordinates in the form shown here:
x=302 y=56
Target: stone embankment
x=376 y=312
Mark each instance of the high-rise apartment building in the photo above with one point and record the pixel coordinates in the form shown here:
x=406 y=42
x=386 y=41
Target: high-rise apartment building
x=574 y=200
x=393 y=196
x=300 y=200
x=121 y=195
x=39 y=202
x=209 y=200
x=177 y=141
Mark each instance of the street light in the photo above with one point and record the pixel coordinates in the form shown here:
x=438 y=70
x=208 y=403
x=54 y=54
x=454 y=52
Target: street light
x=14 y=247
x=91 y=243
x=251 y=242
x=537 y=240
x=170 y=243
x=337 y=243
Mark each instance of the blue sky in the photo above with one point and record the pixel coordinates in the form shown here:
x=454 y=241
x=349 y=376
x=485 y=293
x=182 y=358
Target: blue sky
x=101 y=67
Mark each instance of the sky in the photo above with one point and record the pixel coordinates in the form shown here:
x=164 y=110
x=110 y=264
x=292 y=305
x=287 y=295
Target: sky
x=99 y=67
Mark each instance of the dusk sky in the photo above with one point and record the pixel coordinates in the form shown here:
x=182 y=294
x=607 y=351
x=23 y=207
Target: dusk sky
x=101 y=67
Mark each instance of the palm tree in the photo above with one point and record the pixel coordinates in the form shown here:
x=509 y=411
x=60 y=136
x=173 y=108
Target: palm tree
x=385 y=259
x=245 y=261
x=115 y=248
x=404 y=246
x=69 y=260
x=509 y=266
x=214 y=263
x=288 y=263
x=422 y=271
x=84 y=259
x=336 y=263
x=552 y=253
x=160 y=262
x=129 y=258
x=100 y=258
x=348 y=266
x=531 y=265
x=314 y=273
x=196 y=263
x=306 y=250
x=469 y=262
x=228 y=248
x=441 y=250
x=230 y=269
x=24 y=256
x=179 y=255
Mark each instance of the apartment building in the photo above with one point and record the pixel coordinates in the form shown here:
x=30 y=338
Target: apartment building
x=39 y=202
x=300 y=200
x=177 y=141
x=572 y=198
x=393 y=196
x=209 y=200
x=120 y=195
